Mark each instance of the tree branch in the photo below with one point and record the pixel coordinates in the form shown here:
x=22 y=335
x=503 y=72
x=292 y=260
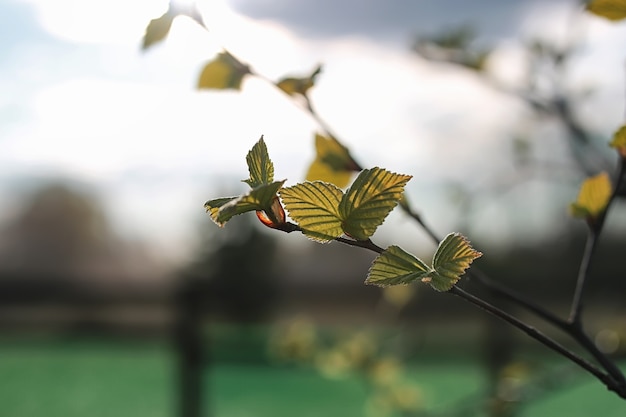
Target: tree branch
x=608 y=380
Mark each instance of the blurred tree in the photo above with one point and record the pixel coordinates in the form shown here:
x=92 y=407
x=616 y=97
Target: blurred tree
x=237 y=269
x=61 y=232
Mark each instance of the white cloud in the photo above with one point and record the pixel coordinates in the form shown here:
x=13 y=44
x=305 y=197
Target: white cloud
x=140 y=113
x=97 y=21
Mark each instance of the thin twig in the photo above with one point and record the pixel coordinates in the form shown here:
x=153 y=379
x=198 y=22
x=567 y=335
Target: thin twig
x=607 y=379
x=583 y=272
x=595 y=227
x=494 y=286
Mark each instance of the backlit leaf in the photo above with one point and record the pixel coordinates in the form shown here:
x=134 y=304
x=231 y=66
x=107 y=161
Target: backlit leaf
x=318 y=170
x=223 y=72
x=610 y=9
x=395 y=266
x=368 y=201
x=452 y=258
x=314 y=206
x=593 y=197
x=619 y=141
x=213 y=206
x=260 y=198
x=333 y=162
x=294 y=86
x=260 y=165
x=157 y=29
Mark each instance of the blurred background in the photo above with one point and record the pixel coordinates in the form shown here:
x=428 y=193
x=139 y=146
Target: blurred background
x=120 y=297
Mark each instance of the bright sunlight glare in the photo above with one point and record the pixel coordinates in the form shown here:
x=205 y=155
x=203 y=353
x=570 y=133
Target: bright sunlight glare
x=97 y=21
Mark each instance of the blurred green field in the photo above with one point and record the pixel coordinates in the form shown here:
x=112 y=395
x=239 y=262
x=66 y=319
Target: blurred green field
x=72 y=378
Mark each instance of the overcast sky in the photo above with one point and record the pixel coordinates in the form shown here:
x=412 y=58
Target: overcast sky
x=390 y=20
x=81 y=102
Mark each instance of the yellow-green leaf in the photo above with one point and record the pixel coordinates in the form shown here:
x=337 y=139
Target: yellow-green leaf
x=157 y=29
x=314 y=206
x=223 y=72
x=368 y=201
x=452 y=258
x=613 y=10
x=593 y=197
x=213 y=206
x=333 y=162
x=619 y=141
x=299 y=85
x=395 y=266
x=259 y=198
x=260 y=165
x=319 y=170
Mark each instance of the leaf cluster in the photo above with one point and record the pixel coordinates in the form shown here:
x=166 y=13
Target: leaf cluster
x=323 y=212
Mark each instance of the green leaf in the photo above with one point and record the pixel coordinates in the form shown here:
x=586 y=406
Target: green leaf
x=213 y=206
x=453 y=256
x=368 y=201
x=395 y=266
x=613 y=10
x=314 y=206
x=223 y=72
x=260 y=165
x=157 y=29
x=301 y=85
x=593 y=197
x=619 y=141
x=260 y=198
x=333 y=162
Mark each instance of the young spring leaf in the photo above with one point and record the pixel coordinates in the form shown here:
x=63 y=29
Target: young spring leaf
x=157 y=29
x=260 y=165
x=333 y=162
x=259 y=198
x=368 y=201
x=314 y=206
x=223 y=72
x=593 y=197
x=395 y=266
x=452 y=258
x=610 y=9
x=213 y=206
x=619 y=141
x=294 y=86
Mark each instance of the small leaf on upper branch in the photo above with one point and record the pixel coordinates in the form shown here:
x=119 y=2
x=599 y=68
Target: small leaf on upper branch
x=314 y=206
x=452 y=258
x=593 y=197
x=395 y=266
x=260 y=198
x=333 y=162
x=619 y=141
x=368 y=201
x=610 y=9
x=157 y=29
x=260 y=165
x=294 y=86
x=223 y=72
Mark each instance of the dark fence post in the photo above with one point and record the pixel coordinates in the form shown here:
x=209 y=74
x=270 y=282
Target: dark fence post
x=191 y=349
